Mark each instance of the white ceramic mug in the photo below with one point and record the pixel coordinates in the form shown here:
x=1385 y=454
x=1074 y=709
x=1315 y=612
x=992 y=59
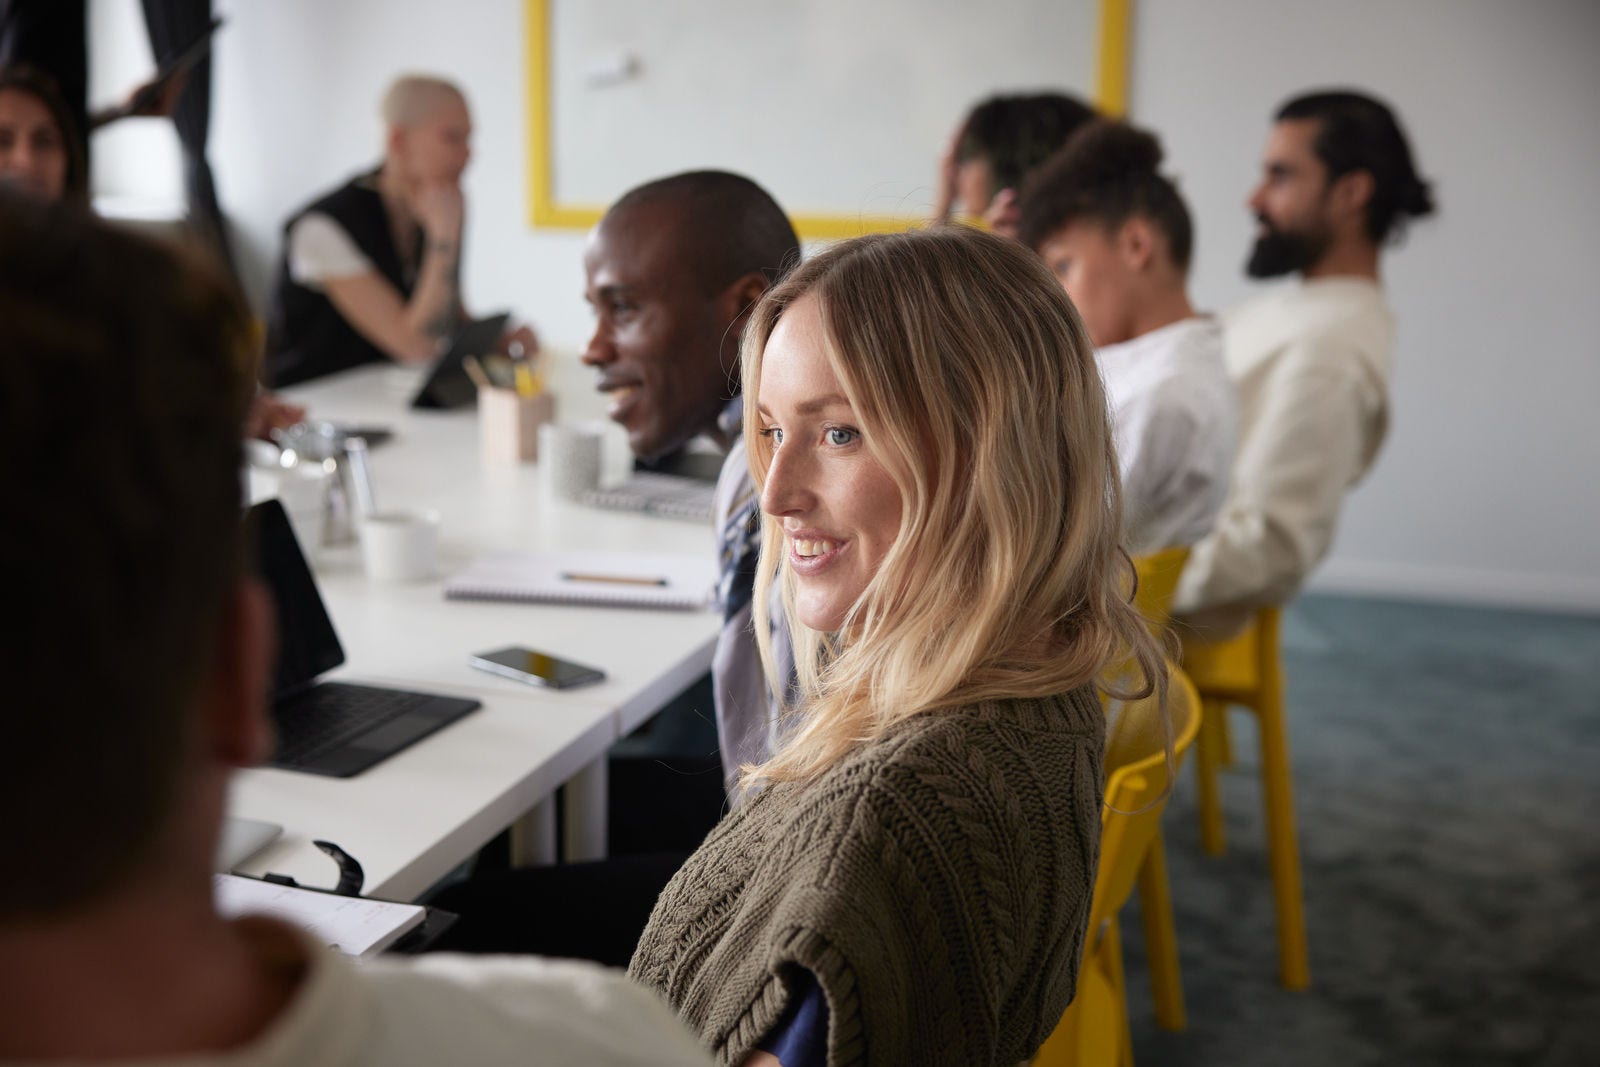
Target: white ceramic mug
x=569 y=458
x=400 y=546
x=303 y=491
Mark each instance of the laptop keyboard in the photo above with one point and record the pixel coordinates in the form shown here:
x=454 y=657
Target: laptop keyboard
x=334 y=713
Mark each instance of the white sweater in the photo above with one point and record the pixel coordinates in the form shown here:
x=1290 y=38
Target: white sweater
x=1173 y=408
x=1311 y=363
x=435 y=1010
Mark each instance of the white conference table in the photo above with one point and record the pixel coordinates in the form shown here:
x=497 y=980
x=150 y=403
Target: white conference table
x=414 y=817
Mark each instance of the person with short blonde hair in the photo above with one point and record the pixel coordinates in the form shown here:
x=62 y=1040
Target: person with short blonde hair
x=910 y=880
x=372 y=271
x=412 y=98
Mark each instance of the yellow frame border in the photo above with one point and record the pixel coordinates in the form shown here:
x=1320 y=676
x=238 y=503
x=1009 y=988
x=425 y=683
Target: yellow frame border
x=1111 y=96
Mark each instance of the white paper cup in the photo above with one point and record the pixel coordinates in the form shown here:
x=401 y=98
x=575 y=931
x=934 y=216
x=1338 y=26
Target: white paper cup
x=569 y=458
x=400 y=546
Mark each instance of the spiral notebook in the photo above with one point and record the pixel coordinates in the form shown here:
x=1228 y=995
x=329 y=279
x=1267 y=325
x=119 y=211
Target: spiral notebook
x=653 y=493
x=610 y=579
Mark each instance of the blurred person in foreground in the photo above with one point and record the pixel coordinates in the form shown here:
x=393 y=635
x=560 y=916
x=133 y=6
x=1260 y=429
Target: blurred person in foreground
x=130 y=361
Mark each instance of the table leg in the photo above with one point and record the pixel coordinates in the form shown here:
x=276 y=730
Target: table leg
x=533 y=836
x=585 y=797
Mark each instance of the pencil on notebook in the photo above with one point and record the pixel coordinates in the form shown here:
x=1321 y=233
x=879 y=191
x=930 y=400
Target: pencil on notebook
x=614 y=579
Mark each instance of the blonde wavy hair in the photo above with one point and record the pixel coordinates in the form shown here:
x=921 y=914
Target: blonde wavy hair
x=975 y=385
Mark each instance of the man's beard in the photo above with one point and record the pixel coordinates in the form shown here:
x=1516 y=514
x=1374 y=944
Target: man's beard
x=1279 y=252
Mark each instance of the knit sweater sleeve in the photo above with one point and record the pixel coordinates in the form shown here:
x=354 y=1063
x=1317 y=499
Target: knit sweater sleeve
x=938 y=889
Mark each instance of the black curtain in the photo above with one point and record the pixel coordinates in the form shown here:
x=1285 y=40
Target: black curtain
x=173 y=25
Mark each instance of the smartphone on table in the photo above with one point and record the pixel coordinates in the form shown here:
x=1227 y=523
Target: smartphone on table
x=536 y=668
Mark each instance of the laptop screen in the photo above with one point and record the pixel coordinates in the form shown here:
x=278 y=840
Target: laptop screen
x=307 y=644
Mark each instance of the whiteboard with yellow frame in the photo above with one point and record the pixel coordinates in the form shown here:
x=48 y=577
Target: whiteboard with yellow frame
x=839 y=108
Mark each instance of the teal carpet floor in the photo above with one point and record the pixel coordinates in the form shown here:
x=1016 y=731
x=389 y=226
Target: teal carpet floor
x=1447 y=780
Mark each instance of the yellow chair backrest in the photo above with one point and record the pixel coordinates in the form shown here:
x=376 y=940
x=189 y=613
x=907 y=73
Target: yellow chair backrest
x=1136 y=776
x=1157 y=575
x=1093 y=1030
x=1158 y=584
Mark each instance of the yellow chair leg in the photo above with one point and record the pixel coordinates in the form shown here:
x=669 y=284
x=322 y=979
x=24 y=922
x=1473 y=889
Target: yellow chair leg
x=1161 y=938
x=1212 y=838
x=1283 y=848
x=1111 y=947
x=1224 y=742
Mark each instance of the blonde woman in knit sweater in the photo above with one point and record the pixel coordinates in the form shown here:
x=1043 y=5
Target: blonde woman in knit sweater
x=909 y=881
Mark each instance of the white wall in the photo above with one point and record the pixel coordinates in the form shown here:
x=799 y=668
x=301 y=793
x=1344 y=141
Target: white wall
x=885 y=102
x=1487 y=489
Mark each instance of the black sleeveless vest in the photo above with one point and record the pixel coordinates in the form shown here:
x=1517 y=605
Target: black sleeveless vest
x=306 y=335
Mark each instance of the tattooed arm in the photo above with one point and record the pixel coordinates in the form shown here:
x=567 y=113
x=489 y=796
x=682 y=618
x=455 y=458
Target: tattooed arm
x=409 y=331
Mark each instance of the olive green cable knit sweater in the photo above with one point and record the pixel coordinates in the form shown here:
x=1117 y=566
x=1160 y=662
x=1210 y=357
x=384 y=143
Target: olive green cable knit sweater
x=936 y=882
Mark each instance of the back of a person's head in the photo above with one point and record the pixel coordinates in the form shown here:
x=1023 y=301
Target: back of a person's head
x=412 y=98
x=728 y=225
x=1108 y=173
x=1357 y=132
x=122 y=392
x=1015 y=133
x=39 y=85
x=975 y=385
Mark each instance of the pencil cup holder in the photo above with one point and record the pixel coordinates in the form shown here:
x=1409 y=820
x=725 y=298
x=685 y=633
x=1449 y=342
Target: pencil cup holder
x=509 y=424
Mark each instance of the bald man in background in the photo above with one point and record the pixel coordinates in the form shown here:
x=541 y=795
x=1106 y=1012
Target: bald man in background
x=372 y=271
x=671 y=274
x=673 y=270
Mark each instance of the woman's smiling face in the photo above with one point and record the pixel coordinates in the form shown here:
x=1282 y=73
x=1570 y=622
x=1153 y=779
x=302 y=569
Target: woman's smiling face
x=837 y=505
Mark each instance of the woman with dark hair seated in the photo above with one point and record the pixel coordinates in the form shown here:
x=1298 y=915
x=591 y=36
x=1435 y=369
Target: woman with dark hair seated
x=42 y=156
x=41 y=149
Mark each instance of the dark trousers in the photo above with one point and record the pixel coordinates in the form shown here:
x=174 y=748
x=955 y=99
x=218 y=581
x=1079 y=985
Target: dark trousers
x=590 y=911
x=665 y=779
x=665 y=794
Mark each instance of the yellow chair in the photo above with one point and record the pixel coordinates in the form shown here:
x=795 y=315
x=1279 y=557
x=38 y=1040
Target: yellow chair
x=1094 y=1029
x=1247 y=671
x=1158 y=575
x=1158 y=584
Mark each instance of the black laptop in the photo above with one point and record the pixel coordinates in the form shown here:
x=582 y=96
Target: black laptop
x=329 y=728
x=447 y=384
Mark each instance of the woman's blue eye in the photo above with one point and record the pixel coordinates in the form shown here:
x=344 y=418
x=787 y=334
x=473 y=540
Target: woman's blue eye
x=838 y=435
x=773 y=434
